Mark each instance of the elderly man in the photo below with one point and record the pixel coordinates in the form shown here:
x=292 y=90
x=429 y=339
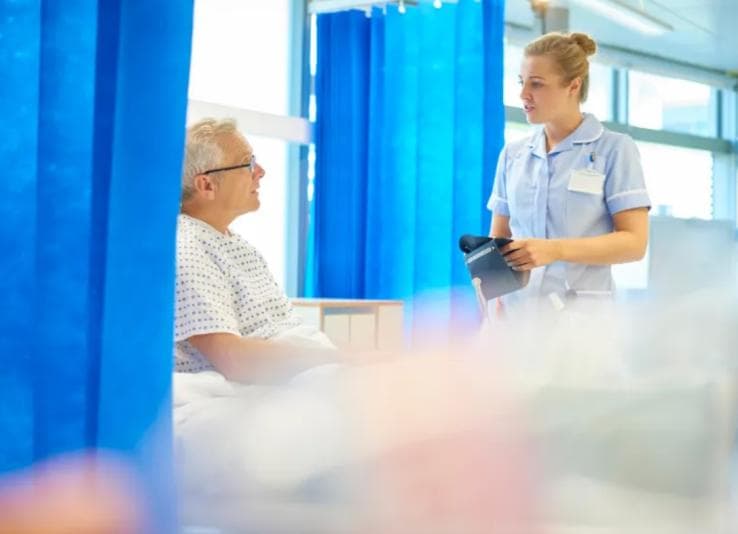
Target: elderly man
x=231 y=316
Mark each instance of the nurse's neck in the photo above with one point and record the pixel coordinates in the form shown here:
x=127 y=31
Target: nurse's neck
x=558 y=130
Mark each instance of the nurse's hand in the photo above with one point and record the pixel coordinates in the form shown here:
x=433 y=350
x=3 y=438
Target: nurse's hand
x=526 y=254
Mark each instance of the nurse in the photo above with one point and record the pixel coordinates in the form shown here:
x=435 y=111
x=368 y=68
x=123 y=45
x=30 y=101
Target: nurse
x=572 y=195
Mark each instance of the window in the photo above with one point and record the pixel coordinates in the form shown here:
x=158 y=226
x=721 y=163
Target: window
x=599 y=96
x=266 y=228
x=679 y=180
x=312 y=106
x=511 y=86
x=662 y=103
x=221 y=72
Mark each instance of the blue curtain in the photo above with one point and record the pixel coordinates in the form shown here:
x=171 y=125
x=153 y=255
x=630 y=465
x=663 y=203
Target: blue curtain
x=93 y=106
x=410 y=120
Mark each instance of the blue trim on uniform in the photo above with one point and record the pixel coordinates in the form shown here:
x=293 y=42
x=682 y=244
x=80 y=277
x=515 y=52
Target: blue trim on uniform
x=637 y=198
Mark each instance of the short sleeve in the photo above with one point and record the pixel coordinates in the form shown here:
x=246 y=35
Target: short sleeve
x=203 y=300
x=497 y=203
x=625 y=187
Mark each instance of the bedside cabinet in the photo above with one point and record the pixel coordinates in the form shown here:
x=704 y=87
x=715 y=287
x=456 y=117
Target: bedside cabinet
x=356 y=324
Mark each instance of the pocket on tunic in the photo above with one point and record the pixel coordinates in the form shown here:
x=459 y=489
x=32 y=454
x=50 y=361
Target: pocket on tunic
x=587 y=181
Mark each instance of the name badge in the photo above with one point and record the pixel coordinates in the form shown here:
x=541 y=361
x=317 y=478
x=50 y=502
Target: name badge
x=587 y=181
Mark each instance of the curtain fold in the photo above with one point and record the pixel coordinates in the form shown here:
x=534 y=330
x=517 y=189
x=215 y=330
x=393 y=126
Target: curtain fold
x=407 y=135
x=94 y=98
x=342 y=132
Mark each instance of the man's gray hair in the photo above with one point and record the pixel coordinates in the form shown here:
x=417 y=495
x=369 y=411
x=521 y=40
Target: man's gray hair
x=202 y=151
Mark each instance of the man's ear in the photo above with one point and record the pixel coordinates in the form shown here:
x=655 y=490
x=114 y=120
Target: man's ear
x=205 y=186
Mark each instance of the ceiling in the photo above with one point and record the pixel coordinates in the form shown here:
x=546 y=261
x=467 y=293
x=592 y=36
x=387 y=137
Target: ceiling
x=705 y=31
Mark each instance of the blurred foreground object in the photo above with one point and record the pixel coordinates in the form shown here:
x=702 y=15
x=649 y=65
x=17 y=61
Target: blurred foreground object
x=632 y=411
x=618 y=422
x=426 y=445
x=75 y=495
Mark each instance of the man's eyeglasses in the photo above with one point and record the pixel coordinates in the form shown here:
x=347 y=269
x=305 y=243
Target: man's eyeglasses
x=251 y=165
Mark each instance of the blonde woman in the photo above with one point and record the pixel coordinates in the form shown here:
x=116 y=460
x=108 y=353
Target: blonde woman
x=571 y=195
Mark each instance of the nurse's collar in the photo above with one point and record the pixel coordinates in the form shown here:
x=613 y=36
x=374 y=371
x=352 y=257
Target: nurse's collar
x=588 y=132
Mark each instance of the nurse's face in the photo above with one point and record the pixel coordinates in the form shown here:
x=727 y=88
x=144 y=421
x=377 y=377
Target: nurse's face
x=545 y=96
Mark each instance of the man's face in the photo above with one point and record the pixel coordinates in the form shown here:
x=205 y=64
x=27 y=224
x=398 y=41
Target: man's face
x=237 y=191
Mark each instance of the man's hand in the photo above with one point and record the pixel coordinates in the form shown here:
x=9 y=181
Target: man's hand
x=253 y=360
x=526 y=254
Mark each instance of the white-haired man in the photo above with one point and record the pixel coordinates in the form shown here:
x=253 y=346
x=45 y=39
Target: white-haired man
x=230 y=315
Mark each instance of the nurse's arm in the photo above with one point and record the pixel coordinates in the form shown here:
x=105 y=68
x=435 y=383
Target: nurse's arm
x=627 y=242
x=500 y=226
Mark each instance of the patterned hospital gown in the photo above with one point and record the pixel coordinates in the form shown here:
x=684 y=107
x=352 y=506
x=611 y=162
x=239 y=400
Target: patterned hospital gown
x=223 y=285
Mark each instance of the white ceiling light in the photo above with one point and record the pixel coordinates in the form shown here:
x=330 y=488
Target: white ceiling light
x=626 y=15
x=329 y=6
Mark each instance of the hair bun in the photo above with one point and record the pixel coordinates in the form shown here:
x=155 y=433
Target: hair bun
x=585 y=42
